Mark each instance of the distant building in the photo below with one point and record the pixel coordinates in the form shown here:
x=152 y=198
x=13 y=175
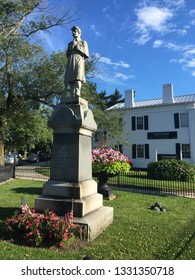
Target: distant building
x=159 y=128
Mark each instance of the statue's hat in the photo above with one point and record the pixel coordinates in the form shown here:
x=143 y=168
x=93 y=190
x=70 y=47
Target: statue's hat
x=77 y=28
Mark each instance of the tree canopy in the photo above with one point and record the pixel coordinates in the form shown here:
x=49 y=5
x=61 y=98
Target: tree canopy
x=24 y=65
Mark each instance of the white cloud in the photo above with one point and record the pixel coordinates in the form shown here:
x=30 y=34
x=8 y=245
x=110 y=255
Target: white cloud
x=183 y=31
x=190 y=52
x=158 y=44
x=173 y=47
x=144 y=38
x=192 y=12
x=121 y=76
x=153 y=18
x=185 y=51
x=105 y=9
x=190 y=63
x=192 y=22
x=93 y=28
x=118 y=79
x=108 y=61
x=158 y=17
x=108 y=70
x=173 y=4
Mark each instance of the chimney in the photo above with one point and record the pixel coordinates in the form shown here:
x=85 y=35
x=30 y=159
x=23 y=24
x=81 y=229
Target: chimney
x=168 y=93
x=129 y=98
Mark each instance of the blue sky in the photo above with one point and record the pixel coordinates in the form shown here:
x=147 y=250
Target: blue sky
x=142 y=44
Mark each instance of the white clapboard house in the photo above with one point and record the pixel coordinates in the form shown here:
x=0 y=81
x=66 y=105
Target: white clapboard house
x=159 y=128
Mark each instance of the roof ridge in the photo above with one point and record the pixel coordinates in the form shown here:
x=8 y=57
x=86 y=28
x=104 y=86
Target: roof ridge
x=184 y=95
x=186 y=98
x=148 y=99
x=161 y=98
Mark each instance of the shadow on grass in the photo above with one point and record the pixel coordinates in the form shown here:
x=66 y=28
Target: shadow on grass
x=6 y=212
x=28 y=190
x=178 y=247
x=186 y=246
x=141 y=189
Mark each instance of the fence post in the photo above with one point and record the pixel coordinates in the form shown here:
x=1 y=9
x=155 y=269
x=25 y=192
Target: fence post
x=14 y=172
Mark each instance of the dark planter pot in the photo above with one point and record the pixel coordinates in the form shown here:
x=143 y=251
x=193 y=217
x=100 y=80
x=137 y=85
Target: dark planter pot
x=103 y=187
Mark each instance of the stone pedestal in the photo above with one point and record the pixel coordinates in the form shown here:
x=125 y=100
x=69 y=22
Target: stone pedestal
x=71 y=180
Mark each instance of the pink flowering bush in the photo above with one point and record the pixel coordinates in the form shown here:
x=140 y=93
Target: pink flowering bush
x=44 y=230
x=109 y=161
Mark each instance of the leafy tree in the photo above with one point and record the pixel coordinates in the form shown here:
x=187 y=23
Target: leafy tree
x=104 y=99
x=26 y=135
x=20 y=59
x=110 y=125
x=110 y=100
x=114 y=98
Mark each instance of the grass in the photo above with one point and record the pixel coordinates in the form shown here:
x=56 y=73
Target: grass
x=43 y=170
x=137 y=233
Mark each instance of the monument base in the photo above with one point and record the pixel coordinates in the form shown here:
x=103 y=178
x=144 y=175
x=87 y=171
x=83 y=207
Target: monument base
x=107 y=194
x=83 y=199
x=95 y=219
x=63 y=189
x=61 y=206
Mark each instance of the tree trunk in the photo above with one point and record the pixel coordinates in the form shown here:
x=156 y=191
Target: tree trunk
x=10 y=81
x=1 y=153
x=9 y=101
x=1 y=149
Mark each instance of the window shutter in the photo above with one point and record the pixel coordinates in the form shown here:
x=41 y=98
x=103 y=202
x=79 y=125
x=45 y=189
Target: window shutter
x=133 y=123
x=146 y=122
x=147 y=155
x=134 y=151
x=177 y=148
x=176 y=120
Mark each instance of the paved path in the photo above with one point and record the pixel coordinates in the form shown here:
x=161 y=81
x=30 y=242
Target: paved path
x=29 y=172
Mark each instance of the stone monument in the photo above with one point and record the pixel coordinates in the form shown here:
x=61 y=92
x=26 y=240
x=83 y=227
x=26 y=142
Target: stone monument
x=71 y=184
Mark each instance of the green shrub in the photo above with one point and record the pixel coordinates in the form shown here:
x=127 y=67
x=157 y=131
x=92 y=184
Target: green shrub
x=171 y=169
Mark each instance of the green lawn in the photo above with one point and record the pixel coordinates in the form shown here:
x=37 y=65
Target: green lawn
x=136 y=233
x=44 y=170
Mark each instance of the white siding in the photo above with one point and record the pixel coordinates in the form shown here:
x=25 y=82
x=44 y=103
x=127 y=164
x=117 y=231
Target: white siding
x=160 y=119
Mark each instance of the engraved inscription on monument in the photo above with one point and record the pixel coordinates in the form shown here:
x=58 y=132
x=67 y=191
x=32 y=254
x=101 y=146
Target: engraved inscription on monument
x=64 y=154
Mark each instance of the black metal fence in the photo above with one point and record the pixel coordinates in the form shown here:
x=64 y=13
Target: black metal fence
x=132 y=181
x=139 y=182
x=6 y=172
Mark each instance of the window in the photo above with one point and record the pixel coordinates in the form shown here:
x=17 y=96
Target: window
x=118 y=147
x=181 y=120
x=140 y=151
x=186 y=150
x=162 y=135
x=184 y=120
x=140 y=122
x=183 y=150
